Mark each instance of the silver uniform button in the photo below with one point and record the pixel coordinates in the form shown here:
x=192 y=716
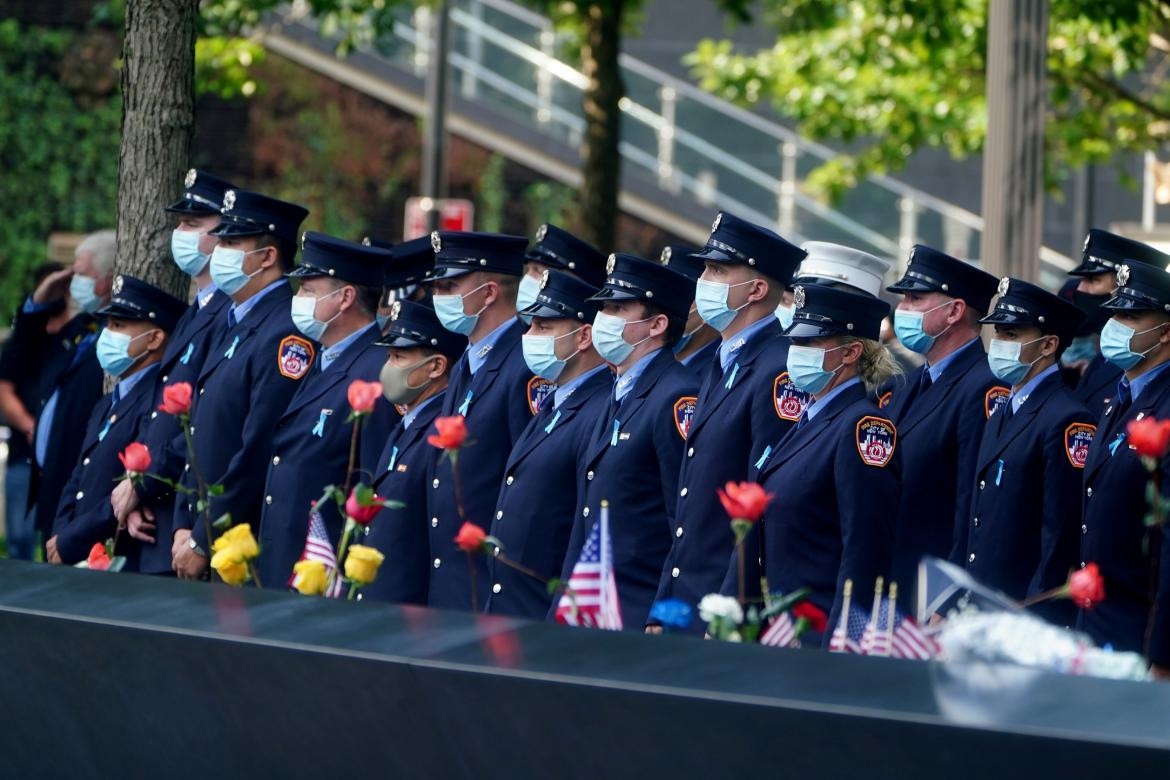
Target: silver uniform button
x=1089 y=492
x=982 y=484
x=153 y=415
x=85 y=462
x=496 y=588
x=589 y=476
x=691 y=452
x=683 y=492
x=674 y=572
x=267 y=499
x=434 y=522
x=585 y=512
x=165 y=378
x=437 y=563
x=80 y=494
x=499 y=514
x=435 y=482
x=201 y=391
x=510 y=480
x=275 y=460
x=678 y=531
x=976 y=521
x=1084 y=528
x=971 y=558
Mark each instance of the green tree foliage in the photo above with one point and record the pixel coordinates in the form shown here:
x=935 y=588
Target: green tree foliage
x=882 y=78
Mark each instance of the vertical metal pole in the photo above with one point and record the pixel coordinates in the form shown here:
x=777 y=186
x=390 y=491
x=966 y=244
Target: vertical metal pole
x=1013 y=154
x=544 y=76
x=907 y=226
x=434 y=172
x=1148 y=192
x=669 y=98
x=787 y=202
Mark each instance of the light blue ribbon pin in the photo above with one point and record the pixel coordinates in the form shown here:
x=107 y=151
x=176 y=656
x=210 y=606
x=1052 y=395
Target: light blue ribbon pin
x=731 y=379
x=614 y=438
x=548 y=428
x=1115 y=444
x=187 y=355
x=393 y=459
x=764 y=458
x=106 y=429
x=319 y=428
x=463 y=407
x=999 y=474
x=231 y=351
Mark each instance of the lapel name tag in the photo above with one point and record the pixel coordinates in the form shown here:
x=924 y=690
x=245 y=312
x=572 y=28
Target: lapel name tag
x=623 y=436
x=401 y=468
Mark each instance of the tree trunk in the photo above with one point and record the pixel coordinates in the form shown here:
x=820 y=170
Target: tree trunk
x=600 y=159
x=158 y=118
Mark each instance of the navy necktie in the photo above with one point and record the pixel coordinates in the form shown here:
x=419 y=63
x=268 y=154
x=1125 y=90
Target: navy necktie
x=231 y=319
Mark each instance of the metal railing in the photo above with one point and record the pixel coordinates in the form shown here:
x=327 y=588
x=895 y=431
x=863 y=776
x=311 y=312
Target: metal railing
x=690 y=143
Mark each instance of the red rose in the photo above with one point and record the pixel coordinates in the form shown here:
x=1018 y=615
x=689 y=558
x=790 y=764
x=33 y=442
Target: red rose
x=136 y=458
x=363 y=395
x=176 y=398
x=1086 y=587
x=452 y=431
x=362 y=515
x=470 y=537
x=744 y=500
x=98 y=559
x=817 y=620
x=1148 y=436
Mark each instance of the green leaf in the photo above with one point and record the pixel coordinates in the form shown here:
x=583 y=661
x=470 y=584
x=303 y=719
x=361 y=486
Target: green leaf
x=215 y=490
x=224 y=522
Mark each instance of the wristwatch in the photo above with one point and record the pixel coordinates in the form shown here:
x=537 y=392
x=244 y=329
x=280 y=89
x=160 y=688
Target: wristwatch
x=194 y=545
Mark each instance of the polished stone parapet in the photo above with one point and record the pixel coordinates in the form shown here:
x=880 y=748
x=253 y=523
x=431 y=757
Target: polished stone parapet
x=119 y=675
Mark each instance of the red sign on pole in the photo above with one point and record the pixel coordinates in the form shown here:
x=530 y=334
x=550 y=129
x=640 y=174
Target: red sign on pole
x=454 y=214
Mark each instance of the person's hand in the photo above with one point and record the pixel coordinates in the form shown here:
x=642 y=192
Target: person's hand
x=51 y=553
x=187 y=563
x=141 y=526
x=124 y=500
x=653 y=629
x=53 y=287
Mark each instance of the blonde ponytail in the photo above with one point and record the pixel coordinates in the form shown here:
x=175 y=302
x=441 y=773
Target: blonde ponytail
x=876 y=365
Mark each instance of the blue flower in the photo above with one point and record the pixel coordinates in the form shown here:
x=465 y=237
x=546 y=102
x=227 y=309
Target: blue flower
x=672 y=613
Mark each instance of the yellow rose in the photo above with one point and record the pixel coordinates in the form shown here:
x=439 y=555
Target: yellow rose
x=361 y=564
x=310 y=577
x=238 y=537
x=231 y=567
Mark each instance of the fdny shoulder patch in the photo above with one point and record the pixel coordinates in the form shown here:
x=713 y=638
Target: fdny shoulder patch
x=994 y=400
x=684 y=414
x=538 y=390
x=294 y=357
x=876 y=439
x=1077 y=438
x=789 y=401
x=884 y=401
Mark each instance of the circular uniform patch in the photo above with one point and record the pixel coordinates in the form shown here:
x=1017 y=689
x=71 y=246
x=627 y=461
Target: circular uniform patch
x=684 y=414
x=789 y=401
x=538 y=390
x=1077 y=438
x=294 y=357
x=994 y=400
x=876 y=439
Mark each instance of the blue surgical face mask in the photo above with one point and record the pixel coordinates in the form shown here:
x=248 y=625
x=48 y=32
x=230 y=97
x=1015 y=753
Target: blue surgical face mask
x=908 y=328
x=806 y=368
x=227 y=269
x=449 y=309
x=785 y=315
x=185 y=250
x=1115 y=344
x=526 y=296
x=1004 y=359
x=540 y=353
x=1082 y=348
x=304 y=315
x=113 y=351
x=82 y=291
x=711 y=301
x=383 y=320
x=609 y=340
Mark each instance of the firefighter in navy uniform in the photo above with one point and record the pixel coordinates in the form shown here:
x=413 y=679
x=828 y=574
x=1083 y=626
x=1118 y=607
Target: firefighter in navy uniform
x=414 y=378
x=340 y=284
x=558 y=249
x=475 y=281
x=699 y=343
x=1103 y=254
x=139 y=319
x=942 y=411
x=1135 y=614
x=1025 y=525
x=545 y=472
x=836 y=475
x=637 y=445
x=249 y=375
x=737 y=414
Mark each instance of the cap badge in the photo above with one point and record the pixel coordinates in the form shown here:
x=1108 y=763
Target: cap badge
x=798 y=296
x=436 y=242
x=117 y=288
x=1123 y=275
x=365 y=241
x=304 y=234
x=664 y=258
x=541 y=232
x=229 y=200
x=610 y=263
x=1003 y=286
x=189 y=181
x=718 y=219
x=395 y=310
x=544 y=279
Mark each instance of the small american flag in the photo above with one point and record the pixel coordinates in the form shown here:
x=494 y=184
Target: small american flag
x=591 y=599
x=910 y=641
x=876 y=640
x=850 y=628
x=780 y=633
x=319 y=548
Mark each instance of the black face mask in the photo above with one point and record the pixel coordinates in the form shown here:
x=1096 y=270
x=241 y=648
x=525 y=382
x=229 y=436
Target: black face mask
x=1090 y=304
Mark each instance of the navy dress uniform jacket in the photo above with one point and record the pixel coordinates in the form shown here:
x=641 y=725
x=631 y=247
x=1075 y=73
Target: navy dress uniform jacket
x=542 y=483
x=740 y=412
x=245 y=384
x=940 y=432
x=403 y=473
x=700 y=362
x=836 y=481
x=1025 y=525
x=636 y=471
x=187 y=348
x=84 y=515
x=1097 y=384
x=310 y=449
x=1115 y=536
x=496 y=415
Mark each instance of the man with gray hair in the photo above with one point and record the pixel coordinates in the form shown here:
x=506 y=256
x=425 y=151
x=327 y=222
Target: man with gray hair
x=72 y=382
